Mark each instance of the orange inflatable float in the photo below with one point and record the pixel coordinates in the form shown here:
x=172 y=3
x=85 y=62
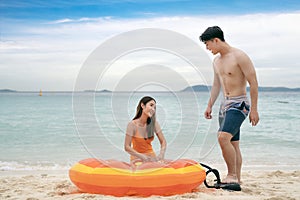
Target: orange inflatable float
x=117 y=178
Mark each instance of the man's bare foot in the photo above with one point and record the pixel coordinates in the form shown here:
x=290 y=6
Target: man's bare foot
x=230 y=179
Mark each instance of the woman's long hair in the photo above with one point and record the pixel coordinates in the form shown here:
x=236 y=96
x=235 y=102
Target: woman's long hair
x=150 y=121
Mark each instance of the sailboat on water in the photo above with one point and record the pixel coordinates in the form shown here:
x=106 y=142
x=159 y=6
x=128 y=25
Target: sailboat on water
x=41 y=93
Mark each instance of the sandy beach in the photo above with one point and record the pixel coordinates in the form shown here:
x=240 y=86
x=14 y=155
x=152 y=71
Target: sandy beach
x=48 y=185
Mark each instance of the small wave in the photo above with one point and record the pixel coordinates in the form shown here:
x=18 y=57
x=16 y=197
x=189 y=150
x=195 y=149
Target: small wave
x=282 y=101
x=28 y=166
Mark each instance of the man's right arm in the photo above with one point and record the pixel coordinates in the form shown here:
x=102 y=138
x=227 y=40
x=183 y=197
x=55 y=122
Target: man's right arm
x=214 y=93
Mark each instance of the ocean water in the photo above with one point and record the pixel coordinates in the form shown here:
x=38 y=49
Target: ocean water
x=54 y=131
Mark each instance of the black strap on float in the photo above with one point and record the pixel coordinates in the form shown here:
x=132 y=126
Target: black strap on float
x=216 y=173
x=219 y=184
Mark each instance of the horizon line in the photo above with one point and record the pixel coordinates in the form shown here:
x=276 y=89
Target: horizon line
x=186 y=89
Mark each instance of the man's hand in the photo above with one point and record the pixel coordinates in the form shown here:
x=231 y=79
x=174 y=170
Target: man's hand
x=253 y=117
x=207 y=113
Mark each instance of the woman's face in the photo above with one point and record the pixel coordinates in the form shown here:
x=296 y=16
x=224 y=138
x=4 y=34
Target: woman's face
x=150 y=108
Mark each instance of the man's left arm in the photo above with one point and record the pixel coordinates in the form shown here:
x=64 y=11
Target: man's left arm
x=249 y=71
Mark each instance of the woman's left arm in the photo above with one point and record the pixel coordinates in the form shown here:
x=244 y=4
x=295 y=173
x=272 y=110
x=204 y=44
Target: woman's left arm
x=163 y=145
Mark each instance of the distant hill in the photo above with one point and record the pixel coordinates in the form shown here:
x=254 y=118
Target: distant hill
x=204 y=88
x=104 y=91
x=277 y=89
x=7 y=90
x=197 y=88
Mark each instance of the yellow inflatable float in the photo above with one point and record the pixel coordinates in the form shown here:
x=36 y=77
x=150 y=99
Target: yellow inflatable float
x=117 y=178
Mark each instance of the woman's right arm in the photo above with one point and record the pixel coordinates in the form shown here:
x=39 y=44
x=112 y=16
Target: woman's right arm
x=131 y=151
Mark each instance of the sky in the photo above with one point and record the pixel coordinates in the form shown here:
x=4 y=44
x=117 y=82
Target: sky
x=44 y=44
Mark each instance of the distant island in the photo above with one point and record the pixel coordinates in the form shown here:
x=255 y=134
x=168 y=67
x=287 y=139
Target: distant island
x=7 y=90
x=100 y=91
x=197 y=88
x=204 y=88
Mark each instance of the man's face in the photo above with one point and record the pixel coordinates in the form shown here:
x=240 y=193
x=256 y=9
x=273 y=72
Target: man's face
x=211 y=46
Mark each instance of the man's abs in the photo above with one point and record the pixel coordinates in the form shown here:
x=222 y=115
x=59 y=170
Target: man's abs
x=233 y=87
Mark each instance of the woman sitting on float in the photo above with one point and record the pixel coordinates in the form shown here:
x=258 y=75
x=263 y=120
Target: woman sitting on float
x=140 y=133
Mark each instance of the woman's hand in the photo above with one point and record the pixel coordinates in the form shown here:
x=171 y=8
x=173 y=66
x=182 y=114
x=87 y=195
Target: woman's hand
x=160 y=157
x=146 y=158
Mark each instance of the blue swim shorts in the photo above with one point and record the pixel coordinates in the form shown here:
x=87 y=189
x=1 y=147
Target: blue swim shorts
x=232 y=116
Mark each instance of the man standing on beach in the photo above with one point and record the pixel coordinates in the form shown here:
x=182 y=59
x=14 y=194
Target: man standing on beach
x=232 y=70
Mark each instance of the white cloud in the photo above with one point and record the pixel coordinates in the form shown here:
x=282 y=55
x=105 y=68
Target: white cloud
x=160 y=66
x=83 y=19
x=58 y=49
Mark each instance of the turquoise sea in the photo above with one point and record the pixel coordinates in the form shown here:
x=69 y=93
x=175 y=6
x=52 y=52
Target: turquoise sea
x=54 y=131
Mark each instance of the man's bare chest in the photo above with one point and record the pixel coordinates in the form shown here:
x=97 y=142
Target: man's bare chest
x=227 y=67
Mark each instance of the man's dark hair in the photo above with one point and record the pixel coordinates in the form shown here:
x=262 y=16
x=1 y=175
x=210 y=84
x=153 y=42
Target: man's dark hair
x=211 y=33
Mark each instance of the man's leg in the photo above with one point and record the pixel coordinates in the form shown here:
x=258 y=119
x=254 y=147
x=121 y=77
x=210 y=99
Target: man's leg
x=229 y=155
x=236 y=145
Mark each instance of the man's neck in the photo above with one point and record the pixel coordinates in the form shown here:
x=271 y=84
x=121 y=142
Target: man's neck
x=224 y=49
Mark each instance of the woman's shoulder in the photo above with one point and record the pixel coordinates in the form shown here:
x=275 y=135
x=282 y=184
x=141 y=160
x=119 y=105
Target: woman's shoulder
x=132 y=124
x=131 y=127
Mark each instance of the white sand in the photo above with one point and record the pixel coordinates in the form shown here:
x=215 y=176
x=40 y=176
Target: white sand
x=268 y=185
